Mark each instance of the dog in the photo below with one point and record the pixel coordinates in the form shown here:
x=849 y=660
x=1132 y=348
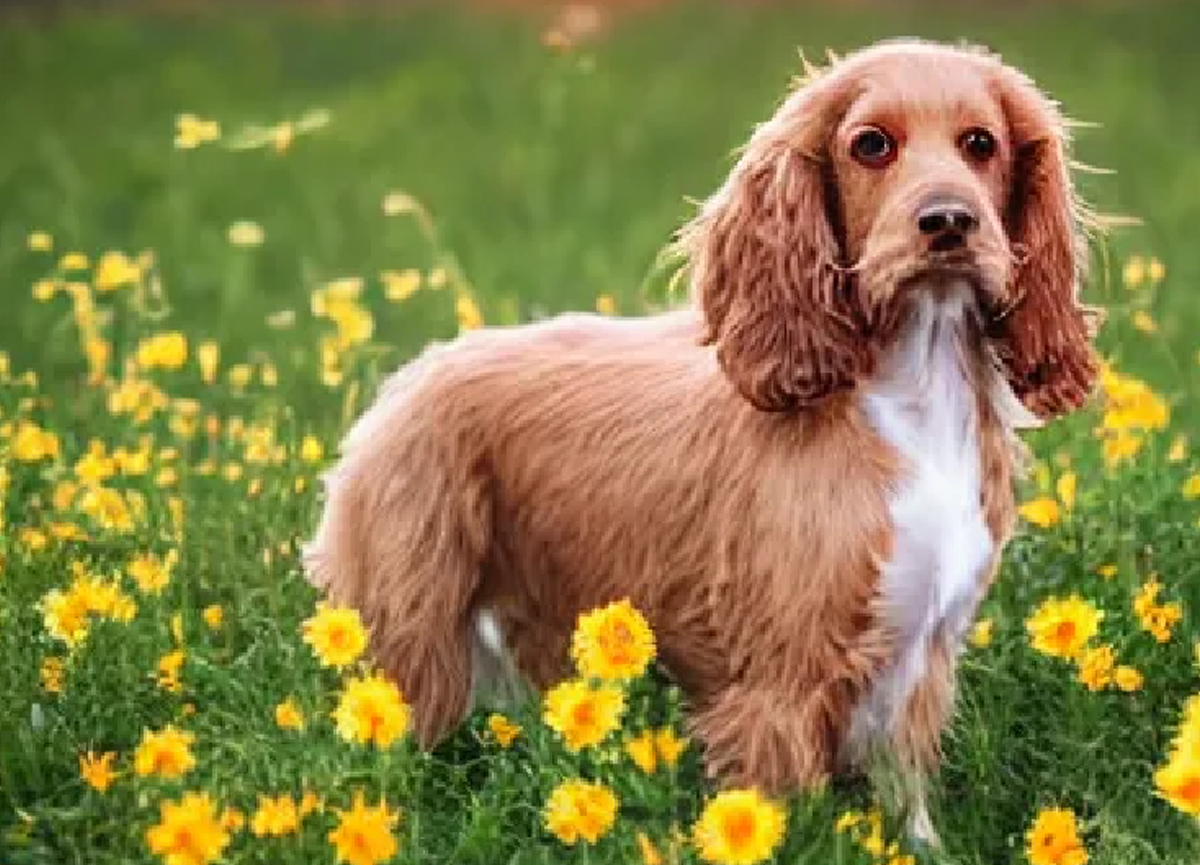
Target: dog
x=803 y=476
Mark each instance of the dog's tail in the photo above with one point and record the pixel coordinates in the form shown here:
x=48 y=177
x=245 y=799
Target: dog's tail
x=401 y=539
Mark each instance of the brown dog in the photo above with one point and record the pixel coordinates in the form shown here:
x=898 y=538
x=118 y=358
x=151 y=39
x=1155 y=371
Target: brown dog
x=804 y=479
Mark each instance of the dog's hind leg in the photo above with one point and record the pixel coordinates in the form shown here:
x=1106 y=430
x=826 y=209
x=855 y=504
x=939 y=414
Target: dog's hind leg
x=401 y=539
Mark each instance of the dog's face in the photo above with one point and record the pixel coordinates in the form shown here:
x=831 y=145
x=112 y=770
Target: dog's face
x=896 y=170
x=922 y=174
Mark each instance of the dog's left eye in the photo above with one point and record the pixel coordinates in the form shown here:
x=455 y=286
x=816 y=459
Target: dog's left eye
x=979 y=144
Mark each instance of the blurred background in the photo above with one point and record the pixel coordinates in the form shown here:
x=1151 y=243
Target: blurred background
x=540 y=153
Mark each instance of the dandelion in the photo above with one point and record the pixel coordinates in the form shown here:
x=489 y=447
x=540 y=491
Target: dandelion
x=1144 y=322
x=1043 y=512
x=371 y=710
x=44 y=290
x=97 y=771
x=606 y=304
x=1178 y=450
x=1191 y=487
x=151 y=573
x=1066 y=489
x=1062 y=627
x=580 y=810
x=1155 y=271
x=245 y=233
x=208 y=355
x=288 y=715
x=336 y=635
x=581 y=714
x=613 y=642
x=275 y=816
x=213 y=615
x=1053 y=839
x=396 y=203
x=438 y=278
x=1107 y=571
x=739 y=827
x=189 y=831
x=167 y=753
x=502 y=729
x=39 y=241
x=73 y=261
x=1178 y=782
x=363 y=835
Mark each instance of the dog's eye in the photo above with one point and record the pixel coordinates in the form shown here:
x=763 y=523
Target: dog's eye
x=873 y=147
x=979 y=144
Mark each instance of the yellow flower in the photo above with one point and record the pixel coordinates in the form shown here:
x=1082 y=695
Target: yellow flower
x=1178 y=782
x=336 y=635
x=1191 y=487
x=246 y=233
x=213 y=615
x=613 y=642
x=739 y=827
x=641 y=750
x=31 y=443
x=73 y=261
x=583 y=715
x=1128 y=679
x=363 y=835
x=648 y=851
x=310 y=802
x=1054 y=839
x=1155 y=270
x=467 y=311
x=1161 y=619
x=208 y=354
x=1096 y=667
x=97 y=771
x=1061 y=628
x=578 y=809
x=1134 y=272
x=168 y=671
x=1121 y=447
x=163 y=351
x=981 y=634
x=189 y=831
x=108 y=509
x=395 y=203
x=44 y=289
x=1107 y=571
x=1178 y=450
x=371 y=710
x=1043 y=512
x=438 y=278
x=232 y=819
x=504 y=730
x=65 y=615
x=40 y=241
x=606 y=304
x=311 y=450
x=1066 y=489
x=275 y=816
x=167 y=752
x=669 y=746
x=192 y=131
x=400 y=286
x=51 y=674
x=288 y=715
x=115 y=269
x=150 y=572
x=1143 y=322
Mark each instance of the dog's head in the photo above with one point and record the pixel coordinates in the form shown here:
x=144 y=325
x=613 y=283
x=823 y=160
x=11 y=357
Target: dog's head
x=899 y=169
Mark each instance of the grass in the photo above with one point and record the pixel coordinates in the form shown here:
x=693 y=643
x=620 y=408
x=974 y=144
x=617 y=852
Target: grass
x=550 y=180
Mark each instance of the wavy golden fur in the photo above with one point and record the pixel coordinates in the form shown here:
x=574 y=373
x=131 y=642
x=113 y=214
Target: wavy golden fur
x=716 y=464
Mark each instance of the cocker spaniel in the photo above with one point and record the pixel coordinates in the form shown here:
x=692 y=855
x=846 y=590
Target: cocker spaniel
x=803 y=477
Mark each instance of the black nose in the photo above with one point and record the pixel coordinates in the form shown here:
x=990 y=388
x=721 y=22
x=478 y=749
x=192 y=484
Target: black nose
x=944 y=216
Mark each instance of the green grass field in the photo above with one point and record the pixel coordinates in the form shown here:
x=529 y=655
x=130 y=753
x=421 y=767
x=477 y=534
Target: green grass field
x=440 y=164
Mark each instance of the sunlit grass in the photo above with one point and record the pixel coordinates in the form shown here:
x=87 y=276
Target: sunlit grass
x=206 y=287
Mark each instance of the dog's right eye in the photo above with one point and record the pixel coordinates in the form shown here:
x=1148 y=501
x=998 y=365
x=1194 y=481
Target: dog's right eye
x=873 y=147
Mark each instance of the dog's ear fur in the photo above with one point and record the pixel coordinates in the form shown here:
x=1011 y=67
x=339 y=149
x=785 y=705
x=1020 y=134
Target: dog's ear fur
x=763 y=255
x=1045 y=343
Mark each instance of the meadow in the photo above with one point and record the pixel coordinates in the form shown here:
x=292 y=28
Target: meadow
x=221 y=230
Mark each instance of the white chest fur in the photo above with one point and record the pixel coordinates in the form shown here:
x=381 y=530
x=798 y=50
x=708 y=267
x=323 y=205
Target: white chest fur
x=925 y=405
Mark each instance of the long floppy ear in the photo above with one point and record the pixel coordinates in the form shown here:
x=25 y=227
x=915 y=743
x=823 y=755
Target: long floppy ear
x=763 y=256
x=1044 y=344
